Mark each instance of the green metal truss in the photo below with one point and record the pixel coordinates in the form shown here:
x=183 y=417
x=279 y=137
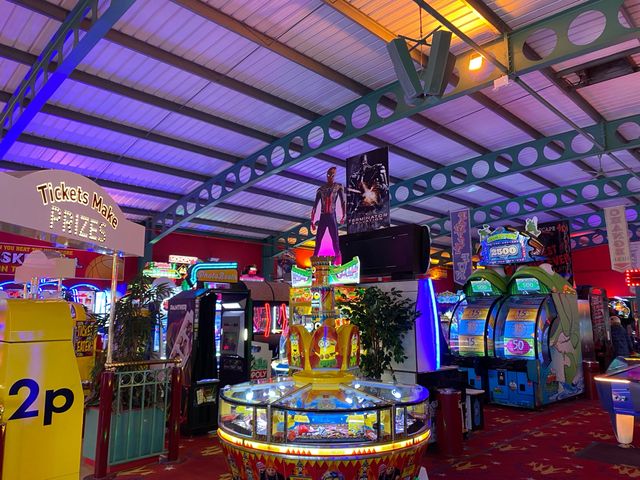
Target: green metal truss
x=555 y=198
x=521 y=158
x=371 y=111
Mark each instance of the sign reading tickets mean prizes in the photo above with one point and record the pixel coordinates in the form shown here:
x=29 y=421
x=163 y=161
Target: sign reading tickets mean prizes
x=67 y=207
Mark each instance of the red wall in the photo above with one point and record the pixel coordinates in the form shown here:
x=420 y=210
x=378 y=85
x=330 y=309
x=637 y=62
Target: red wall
x=592 y=266
x=243 y=252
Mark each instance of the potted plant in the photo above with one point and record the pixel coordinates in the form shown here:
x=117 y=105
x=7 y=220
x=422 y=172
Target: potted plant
x=384 y=318
x=139 y=403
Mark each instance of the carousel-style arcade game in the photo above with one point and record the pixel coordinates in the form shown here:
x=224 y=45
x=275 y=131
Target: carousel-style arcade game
x=323 y=422
x=470 y=335
x=537 y=341
x=323 y=419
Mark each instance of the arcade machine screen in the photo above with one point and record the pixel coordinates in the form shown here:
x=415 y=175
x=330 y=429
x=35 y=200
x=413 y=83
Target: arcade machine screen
x=520 y=330
x=467 y=332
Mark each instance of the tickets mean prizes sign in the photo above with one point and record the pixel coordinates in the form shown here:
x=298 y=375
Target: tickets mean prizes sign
x=65 y=207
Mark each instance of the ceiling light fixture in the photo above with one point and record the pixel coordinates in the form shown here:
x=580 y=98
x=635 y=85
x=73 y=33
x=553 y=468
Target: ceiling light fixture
x=475 y=62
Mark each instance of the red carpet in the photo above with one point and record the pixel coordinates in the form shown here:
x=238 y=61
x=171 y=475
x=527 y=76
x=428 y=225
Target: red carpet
x=515 y=445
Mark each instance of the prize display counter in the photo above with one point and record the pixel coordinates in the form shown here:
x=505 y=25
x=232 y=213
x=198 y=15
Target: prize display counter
x=360 y=425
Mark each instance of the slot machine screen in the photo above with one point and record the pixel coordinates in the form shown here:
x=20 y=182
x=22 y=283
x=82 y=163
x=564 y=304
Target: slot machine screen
x=471 y=330
x=520 y=332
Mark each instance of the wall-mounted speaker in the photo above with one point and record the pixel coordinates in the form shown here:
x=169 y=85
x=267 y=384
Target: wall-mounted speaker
x=440 y=65
x=405 y=70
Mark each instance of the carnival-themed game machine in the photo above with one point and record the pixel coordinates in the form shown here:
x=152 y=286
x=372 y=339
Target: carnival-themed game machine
x=470 y=335
x=537 y=337
x=323 y=422
x=619 y=394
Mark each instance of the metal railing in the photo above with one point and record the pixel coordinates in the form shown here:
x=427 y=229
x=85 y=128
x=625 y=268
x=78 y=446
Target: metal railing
x=139 y=408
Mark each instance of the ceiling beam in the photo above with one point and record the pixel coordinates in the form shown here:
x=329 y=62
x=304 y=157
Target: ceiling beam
x=487 y=167
x=216 y=190
x=69 y=49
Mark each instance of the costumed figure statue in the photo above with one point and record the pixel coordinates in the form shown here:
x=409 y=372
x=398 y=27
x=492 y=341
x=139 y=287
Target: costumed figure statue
x=330 y=201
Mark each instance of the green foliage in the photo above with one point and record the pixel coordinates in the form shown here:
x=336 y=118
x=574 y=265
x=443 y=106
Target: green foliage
x=137 y=314
x=383 y=318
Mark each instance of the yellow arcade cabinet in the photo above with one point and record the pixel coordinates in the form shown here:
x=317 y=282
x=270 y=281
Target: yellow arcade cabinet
x=40 y=390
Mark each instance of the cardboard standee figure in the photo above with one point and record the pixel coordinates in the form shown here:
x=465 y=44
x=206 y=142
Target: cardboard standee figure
x=330 y=200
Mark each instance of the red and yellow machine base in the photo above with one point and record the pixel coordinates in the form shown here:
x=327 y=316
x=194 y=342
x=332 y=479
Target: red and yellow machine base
x=247 y=459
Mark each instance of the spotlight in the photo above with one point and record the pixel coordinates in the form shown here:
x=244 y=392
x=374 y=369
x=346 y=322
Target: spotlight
x=475 y=62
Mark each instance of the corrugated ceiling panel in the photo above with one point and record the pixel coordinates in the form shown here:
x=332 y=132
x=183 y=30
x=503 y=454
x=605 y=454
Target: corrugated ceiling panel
x=615 y=98
x=403 y=17
x=451 y=111
x=272 y=73
x=397 y=131
x=517 y=184
x=246 y=219
x=23 y=29
x=518 y=13
x=477 y=194
x=288 y=187
x=271 y=204
x=489 y=130
x=49 y=158
x=336 y=41
x=11 y=74
x=407 y=216
x=223 y=231
x=175 y=157
x=564 y=173
x=603 y=53
x=317 y=169
x=227 y=104
x=138 y=200
x=439 y=205
x=94 y=101
x=431 y=145
x=207 y=135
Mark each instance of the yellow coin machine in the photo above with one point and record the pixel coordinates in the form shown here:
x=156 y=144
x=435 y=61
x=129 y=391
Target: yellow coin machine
x=40 y=390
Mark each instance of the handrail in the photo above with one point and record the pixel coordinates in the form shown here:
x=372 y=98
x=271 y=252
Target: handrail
x=140 y=363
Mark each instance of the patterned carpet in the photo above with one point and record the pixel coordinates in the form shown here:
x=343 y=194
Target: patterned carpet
x=515 y=445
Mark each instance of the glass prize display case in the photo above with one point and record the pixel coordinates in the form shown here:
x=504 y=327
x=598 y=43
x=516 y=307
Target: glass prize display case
x=356 y=413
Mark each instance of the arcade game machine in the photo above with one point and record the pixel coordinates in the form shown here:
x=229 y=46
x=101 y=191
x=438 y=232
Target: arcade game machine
x=472 y=326
x=595 y=327
x=323 y=422
x=537 y=341
x=619 y=394
x=232 y=317
x=446 y=302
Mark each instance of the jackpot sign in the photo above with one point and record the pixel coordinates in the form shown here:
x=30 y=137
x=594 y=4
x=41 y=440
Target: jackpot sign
x=68 y=208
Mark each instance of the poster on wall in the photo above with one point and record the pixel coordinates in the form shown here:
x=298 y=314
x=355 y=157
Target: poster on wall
x=618 y=237
x=180 y=333
x=89 y=265
x=461 y=247
x=556 y=247
x=368 y=191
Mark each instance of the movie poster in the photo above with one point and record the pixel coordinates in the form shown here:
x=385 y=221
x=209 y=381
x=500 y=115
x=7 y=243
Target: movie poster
x=556 y=240
x=368 y=191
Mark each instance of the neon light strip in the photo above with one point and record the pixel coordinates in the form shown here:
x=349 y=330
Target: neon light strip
x=436 y=321
x=322 y=452
x=611 y=380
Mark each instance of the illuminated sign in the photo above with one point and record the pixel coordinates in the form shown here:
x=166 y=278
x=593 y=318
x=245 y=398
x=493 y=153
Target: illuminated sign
x=345 y=274
x=68 y=208
x=161 y=270
x=183 y=259
x=220 y=272
x=481 y=286
x=632 y=277
x=502 y=247
x=528 y=284
x=300 y=277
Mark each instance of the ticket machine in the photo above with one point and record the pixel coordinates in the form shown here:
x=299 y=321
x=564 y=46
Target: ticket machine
x=471 y=330
x=41 y=391
x=537 y=341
